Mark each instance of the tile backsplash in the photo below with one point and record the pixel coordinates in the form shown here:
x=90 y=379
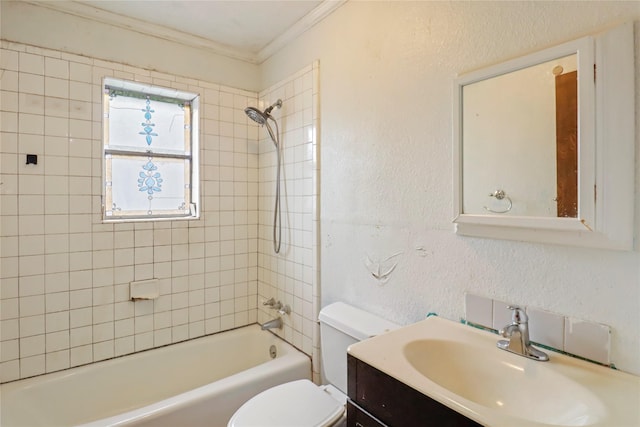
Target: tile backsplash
x=65 y=275
x=589 y=340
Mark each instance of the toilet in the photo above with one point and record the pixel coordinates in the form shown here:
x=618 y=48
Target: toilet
x=302 y=403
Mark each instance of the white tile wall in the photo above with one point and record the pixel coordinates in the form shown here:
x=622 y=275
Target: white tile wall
x=502 y=315
x=589 y=340
x=65 y=275
x=547 y=328
x=292 y=275
x=479 y=310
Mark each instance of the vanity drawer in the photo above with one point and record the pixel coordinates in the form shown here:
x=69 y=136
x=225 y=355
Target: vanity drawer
x=356 y=417
x=395 y=403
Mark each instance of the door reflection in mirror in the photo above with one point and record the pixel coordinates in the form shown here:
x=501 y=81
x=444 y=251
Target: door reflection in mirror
x=567 y=143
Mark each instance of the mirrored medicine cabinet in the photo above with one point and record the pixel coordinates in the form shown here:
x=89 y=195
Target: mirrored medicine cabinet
x=544 y=145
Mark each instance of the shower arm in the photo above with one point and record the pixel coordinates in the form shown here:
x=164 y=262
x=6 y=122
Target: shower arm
x=270 y=108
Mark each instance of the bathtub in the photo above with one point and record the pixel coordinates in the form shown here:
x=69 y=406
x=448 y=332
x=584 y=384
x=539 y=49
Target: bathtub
x=195 y=383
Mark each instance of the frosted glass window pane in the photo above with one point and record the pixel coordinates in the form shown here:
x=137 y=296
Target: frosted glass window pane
x=148 y=186
x=146 y=124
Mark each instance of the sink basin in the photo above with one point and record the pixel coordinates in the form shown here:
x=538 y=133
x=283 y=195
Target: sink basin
x=521 y=388
x=461 y=368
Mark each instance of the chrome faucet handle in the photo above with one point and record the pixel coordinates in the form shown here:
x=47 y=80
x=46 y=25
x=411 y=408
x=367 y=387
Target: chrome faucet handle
x=518 y=316
x=285 y=309
x=272 y=303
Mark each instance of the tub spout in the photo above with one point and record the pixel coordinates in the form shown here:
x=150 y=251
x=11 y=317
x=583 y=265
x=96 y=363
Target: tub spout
x=272 y=324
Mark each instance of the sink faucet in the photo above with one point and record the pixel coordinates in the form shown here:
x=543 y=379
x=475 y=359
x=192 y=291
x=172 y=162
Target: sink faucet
x=272 y=324
x=518 y=333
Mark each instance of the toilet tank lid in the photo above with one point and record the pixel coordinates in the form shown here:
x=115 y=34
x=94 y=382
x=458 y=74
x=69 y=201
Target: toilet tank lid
x=354 y=322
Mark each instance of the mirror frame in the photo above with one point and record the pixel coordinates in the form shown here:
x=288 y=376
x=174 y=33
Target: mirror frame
x=606 y=152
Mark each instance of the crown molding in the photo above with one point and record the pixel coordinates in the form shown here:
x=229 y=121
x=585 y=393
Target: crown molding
x=323 y=10
x=86 y=11
x=100 y=15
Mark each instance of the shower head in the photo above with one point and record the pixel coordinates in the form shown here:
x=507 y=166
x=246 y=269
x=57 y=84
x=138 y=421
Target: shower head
x=256 y=115
x=259 y=116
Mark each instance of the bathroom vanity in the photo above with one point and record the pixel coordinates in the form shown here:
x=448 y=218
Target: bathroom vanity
x=438 y=372
x=377 y=400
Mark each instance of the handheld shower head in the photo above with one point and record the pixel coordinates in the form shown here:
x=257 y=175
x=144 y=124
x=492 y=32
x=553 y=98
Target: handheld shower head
x=256 y=115
x=262 y=117
x=259 y=116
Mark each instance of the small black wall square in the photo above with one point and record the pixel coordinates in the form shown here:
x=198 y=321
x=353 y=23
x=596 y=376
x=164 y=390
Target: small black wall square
x=32 y=159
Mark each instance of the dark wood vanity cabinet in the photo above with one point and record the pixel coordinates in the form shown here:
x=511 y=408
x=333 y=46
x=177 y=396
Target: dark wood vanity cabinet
x=378 y=400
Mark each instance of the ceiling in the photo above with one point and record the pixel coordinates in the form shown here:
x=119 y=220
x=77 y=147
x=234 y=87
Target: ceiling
x=250 y=30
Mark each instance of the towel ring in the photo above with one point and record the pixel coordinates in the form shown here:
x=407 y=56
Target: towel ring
x=500 y=195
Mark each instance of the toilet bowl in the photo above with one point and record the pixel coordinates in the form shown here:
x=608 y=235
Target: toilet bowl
x=302 y=403
x=293 y=404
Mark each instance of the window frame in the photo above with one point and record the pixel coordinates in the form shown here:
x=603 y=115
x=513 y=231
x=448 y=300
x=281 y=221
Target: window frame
x=191 y=153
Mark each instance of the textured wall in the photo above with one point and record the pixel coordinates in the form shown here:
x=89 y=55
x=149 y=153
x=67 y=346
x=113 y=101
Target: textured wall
x=386 y=88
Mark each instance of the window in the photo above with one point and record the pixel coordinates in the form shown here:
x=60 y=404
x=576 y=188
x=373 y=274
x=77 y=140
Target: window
x=150 y=152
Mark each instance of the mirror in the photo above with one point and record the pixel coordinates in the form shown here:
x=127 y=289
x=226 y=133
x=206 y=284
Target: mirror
x=532 y=150
x=520 y=134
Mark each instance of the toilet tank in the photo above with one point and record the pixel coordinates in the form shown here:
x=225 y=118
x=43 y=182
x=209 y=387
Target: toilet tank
x=340 y=326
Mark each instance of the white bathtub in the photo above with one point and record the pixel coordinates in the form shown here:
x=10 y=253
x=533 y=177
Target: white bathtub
x=195 y=383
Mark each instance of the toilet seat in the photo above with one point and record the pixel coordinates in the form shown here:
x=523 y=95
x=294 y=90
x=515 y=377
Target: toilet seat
x=295 y=404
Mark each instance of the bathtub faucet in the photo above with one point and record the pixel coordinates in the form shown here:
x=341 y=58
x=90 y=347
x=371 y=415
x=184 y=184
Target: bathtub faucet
x=272 y=324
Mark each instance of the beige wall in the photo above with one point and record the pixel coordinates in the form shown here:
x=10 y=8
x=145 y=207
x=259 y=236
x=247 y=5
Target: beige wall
x=386 y=186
